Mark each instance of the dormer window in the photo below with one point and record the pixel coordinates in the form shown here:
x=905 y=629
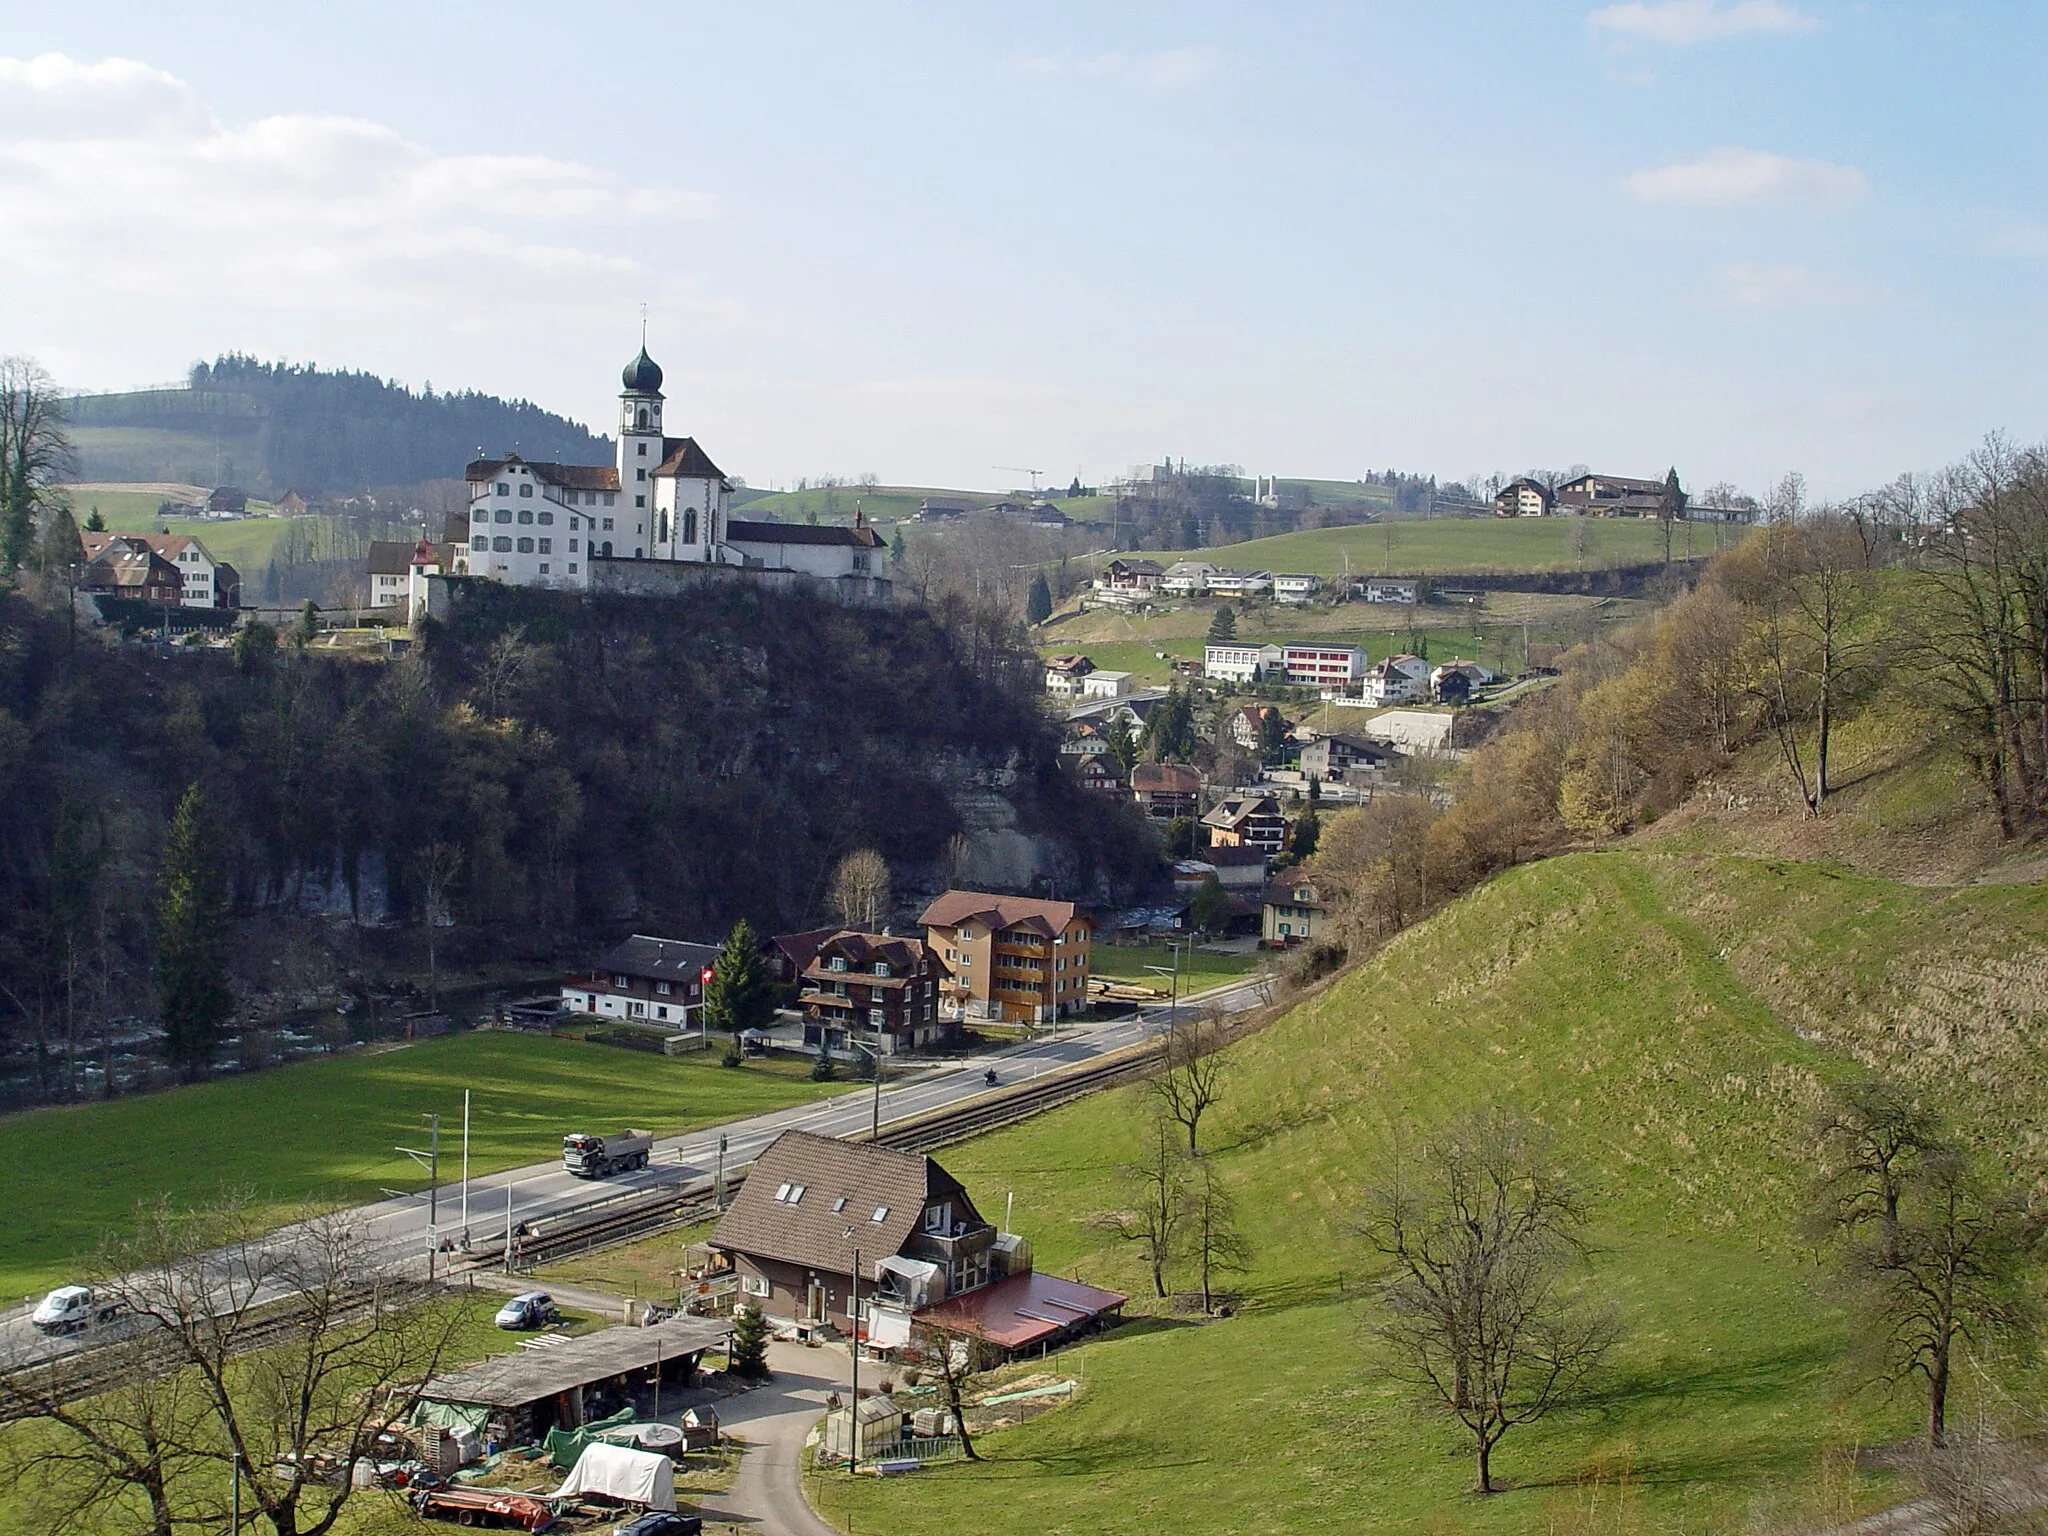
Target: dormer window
x=838 y=962
x=839 y=1205
x=938 y=1218
x=881 y=967
x=622 y=981
x=789 y=1194
x=881 y=1214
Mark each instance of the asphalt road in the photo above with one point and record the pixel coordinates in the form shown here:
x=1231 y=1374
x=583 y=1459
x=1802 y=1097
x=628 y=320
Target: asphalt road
x=529 y=1194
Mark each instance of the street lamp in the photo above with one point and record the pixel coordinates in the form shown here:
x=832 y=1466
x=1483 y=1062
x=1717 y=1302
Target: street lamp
x=431 y=1161
x=853 y=1403
x=1173 y=1006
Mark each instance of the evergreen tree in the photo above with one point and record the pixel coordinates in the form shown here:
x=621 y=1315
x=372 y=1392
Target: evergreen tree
x=1306 y=832
x=1210 y=910
x=309 y=624
x=192 y=910
x=1170 y=731
x=1074 y=490
x=1038 y=606
x=1671 y=507
x=1223 y=627
x=58 y=548
x=738 y=997
x=897 y=548
x=747 y=1351
x=94 y=523
x=822 y=1070
x=1122 y=745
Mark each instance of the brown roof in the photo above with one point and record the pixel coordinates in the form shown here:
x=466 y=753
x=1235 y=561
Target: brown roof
x=1022 y=1310
x=1241 y=808
x=1075 y=664
x=122 y=567
x=1228 y=857
x=523 y=1376
x=682 y=457
x=169 y=545
x=904 y=956
x=956 y=907
x=739 y=532
x=578 y=477
x=799 y=949
x=1166 y=778
x=389 y=557
x=861 y=1180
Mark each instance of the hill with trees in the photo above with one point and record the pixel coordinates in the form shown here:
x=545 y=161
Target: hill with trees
x=272 y=427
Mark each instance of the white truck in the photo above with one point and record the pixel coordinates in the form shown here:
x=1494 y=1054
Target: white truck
x=592 y=1157
x=73 y=1309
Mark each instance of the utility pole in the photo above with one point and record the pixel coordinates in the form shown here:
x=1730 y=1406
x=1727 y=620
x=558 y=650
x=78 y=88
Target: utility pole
x=853 y=1404
x=875 y=1127
x=718 y=1179
x=508 y=1226
x=431 y=1161
x=465 y=1170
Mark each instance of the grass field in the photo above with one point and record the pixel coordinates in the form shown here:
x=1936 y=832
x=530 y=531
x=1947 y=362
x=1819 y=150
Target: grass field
x=1447 y=547
x=326 y=1130
x=1129 y=963
x=244 y=543
x=1641 y=1005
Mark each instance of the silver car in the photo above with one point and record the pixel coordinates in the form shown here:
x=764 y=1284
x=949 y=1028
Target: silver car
x=533 y=1309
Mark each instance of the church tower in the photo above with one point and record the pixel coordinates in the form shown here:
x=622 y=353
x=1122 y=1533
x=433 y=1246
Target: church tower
x=640 y=444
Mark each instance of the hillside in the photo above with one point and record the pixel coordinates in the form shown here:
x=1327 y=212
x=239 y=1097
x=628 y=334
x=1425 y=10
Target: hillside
x=1725 y=992
x=1467 y=546
x=270 y=427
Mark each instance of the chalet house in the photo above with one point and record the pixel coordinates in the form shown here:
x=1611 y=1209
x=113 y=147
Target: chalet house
x=1454 y=681
x=1248 y=725
x=291 y=504
x=1295 y=589
x=1165 y=791
x=1381 y=589
x=1612 y=496
x=1186 y=578
x=872 y=989
x=203 y=582
x=930 y=511
x=1292 y=910
x=1063 y=675
x=122 y=569
x=789 y=955
x=1243 y=663
x=1323 y=665
x=1083 y=738
x=1524 y=498
x=1093 y=771
x=870 y=1241
x=227 y=501
x=658 y=981
x=1396 y=680
x=1333 y=759
x=1247 y=821
x=1014 y=959
x=1135 y=576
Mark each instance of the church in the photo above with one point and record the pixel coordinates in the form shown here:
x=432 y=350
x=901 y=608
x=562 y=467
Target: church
x=577 y=526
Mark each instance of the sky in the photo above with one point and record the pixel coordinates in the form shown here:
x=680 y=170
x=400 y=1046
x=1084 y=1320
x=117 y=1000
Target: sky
x=944 y=243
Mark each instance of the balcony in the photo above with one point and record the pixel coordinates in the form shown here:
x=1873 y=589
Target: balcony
x=943 y=1248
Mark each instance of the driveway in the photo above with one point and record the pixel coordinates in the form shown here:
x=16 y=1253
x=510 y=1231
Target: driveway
x=775 y=1420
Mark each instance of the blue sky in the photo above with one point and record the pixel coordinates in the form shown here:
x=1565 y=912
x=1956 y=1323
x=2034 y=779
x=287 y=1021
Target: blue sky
x=1741 y=236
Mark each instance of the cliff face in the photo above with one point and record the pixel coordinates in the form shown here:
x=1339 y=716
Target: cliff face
x=575 y=767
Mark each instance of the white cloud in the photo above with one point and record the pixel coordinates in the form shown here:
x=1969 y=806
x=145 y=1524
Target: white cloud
x=1751 y=285
x=1697 y=21
x=115 y=175
x=1167 y=70
x=1739 y=178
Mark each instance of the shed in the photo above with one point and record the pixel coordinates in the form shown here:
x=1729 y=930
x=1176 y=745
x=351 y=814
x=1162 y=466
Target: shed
x=881 y=1426
x=534 y=1390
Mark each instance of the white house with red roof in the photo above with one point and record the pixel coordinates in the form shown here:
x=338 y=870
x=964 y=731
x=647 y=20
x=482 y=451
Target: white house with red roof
x=204 y=581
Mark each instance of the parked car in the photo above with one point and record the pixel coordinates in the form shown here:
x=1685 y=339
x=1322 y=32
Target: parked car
x=659 y=1524
x=72 y=1309
x=534 y=1309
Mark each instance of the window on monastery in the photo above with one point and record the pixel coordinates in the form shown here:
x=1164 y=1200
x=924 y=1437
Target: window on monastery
x=607 y=550
x=547 y=519
x=504 y=514
x=607 y=521
x=526 y=489
x=643 y=446
x=547 y=546
x=639 y=501
x=572 y=567
x=526 y=546
x=609 y=497
x=572 y=545
x=526 y=514
x=641 y=472
x=502 y=545
x=479 y=543
x=690 y=526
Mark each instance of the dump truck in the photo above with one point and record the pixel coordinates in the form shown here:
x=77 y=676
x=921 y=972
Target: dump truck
x=592 y=1157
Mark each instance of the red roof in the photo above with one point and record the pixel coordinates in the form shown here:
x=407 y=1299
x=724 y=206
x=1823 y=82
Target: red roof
x=955 y=907
x=1022 y=1310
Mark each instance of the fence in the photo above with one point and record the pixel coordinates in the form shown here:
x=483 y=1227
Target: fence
x=936 y=1448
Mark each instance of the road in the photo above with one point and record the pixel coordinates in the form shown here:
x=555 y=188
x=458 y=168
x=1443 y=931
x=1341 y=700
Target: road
x=542 y=1190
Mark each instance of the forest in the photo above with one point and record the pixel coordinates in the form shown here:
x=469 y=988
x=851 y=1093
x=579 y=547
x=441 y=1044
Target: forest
x=536 y=778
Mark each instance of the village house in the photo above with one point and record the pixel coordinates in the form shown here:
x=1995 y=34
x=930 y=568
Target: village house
x=1105 y=685
x=1248 y=726
x=1295 y=589
x=1063 y=675
x=1135 y=577
x=658 y=981
x=1612 y=496
x=1237 y=870
x=789 y=955
x=203 y=582
x=1186 y=578
x=227 y=501
x=291 y=504
x=1292 y=909
x=1093 y=771
x=1165 y=791
x=1523 y=498
x=1314 y=665
x=1227 y=583
x=1247 y=821
x=1453 y=682
x=1334 y=758
x=133 y=570
x=875 y=990
x=871 y=1242
x=1396 y=680
x=1235 y=663
x=1013 y=959
x=1383 y=589
x=1083 y=738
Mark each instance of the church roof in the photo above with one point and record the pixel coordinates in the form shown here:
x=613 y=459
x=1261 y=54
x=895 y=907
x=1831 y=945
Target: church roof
x=682 y=457
x=642 y=376
x=739 y=532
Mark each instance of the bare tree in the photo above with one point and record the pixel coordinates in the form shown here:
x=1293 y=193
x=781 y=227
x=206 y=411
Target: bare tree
x=440 y=866
x=1872 y=1135
x=1214 y=1240
x=956 y=1362
x=1481 y=1234
x=504 y=660
x=1189 y=1078
x=860 y=889
x=1159 y=1187
x=35 y=454
x=268 y=1357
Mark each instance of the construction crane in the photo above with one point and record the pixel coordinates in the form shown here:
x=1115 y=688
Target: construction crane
x=1017 y=469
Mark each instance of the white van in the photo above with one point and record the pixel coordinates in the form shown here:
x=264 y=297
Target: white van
x=72 y=1309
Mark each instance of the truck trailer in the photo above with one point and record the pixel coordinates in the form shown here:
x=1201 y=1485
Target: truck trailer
x=593 y=1157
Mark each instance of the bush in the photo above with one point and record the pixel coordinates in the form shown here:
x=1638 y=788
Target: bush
x=822 y=1070
x=1313 y=961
